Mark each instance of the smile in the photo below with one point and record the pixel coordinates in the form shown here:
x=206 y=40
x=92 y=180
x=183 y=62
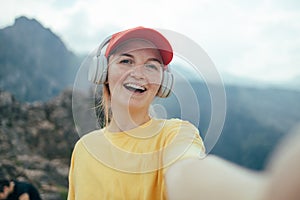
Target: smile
x=134 y=87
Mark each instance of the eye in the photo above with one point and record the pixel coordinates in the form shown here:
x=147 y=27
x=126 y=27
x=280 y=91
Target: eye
x=126 y=61
x=152 y=66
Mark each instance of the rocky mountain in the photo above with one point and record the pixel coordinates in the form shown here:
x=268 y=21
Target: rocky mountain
x=36 y=141
x=34 y=62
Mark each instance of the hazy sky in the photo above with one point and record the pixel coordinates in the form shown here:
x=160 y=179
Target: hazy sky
x=258 y=39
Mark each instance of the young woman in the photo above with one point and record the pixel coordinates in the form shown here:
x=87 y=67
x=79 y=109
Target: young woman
x=136 y=156
x=128 y=158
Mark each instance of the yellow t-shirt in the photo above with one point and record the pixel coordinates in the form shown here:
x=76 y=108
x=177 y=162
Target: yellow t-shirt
x=131 y=164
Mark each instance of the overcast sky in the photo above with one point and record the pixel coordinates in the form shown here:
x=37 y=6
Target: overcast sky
x=258 y=39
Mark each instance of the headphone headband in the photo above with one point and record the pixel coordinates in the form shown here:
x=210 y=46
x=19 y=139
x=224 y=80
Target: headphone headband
x=103 y=44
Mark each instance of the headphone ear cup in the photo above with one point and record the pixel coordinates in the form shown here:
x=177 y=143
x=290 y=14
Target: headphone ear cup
x=102 y=66
x=98 y=70
x=92 y=72
x=166 y=84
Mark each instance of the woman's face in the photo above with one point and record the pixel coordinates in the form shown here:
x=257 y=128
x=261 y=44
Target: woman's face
x=134 y=74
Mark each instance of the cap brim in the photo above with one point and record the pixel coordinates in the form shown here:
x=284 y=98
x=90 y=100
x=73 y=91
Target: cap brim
x=151 y=35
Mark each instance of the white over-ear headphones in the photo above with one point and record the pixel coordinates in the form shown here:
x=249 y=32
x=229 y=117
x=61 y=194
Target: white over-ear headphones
x=98 y=72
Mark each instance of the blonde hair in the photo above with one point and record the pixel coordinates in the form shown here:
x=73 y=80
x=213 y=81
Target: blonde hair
x=102 y=105
x=105 y=104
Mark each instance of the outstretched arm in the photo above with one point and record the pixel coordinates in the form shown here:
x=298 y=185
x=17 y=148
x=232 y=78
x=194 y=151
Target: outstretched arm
x=284 y=168
x=213 y=178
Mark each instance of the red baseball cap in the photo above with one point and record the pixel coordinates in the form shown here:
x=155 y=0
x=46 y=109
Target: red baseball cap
x=140 y=32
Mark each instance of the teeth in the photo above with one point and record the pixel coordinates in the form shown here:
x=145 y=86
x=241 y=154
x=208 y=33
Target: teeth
x=135 y=87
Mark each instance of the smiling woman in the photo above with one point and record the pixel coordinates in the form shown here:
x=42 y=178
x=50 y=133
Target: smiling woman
x=133 y=148
x=138 y=156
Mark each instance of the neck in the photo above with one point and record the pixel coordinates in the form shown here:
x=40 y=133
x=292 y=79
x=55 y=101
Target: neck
x=127 y=119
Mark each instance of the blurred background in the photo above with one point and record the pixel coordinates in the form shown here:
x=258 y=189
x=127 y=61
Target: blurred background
x=254 y=45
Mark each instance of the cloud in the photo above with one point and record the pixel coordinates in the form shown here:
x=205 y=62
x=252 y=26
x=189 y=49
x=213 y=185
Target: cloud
x=257 y=39
x=271 y=53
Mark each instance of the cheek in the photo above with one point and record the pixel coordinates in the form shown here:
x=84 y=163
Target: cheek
x=114 y=76
x=155 y=84
x=156 y=80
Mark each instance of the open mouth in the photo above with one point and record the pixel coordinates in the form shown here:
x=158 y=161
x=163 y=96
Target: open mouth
x=134 y=87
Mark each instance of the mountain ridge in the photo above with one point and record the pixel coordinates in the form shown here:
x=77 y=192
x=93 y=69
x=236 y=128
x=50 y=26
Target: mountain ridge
x=32 y=56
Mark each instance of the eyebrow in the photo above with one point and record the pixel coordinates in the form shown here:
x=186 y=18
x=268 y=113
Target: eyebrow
x=150 y=59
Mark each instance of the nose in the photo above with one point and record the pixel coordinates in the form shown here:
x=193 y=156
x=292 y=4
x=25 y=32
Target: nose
x=137 y=72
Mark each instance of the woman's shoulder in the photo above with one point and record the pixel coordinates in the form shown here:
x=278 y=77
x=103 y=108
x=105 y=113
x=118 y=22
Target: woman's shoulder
x=90 y=136
x=88 y=141
x=93 y=133
x=176 y=122
x=174 y=126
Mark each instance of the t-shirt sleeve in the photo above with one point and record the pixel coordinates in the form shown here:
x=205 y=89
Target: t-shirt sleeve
x=71 y=192
x=183 y=142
